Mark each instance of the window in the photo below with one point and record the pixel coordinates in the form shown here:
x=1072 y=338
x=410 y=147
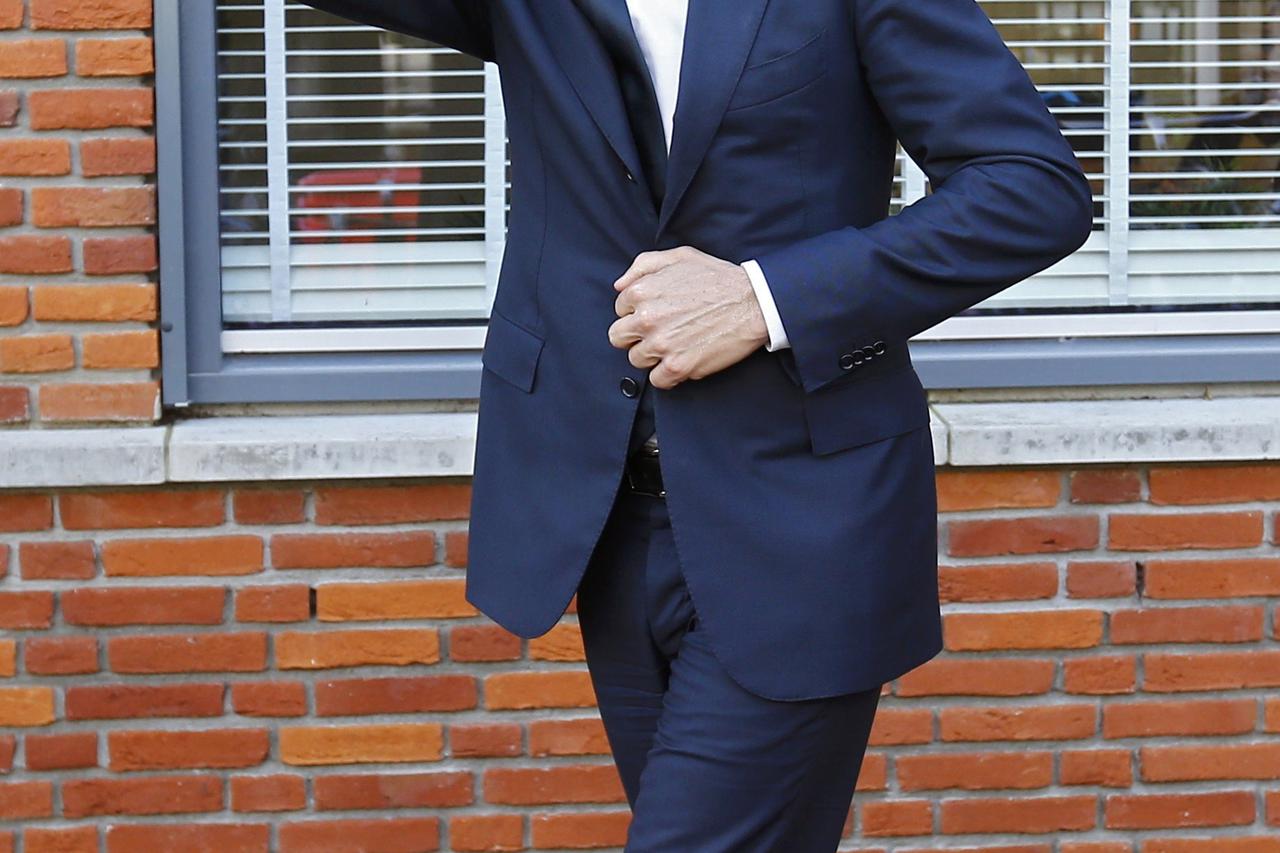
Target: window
x=334 y=200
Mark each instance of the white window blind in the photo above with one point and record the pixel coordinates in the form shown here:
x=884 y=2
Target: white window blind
x=365 y=175
x=364 y=179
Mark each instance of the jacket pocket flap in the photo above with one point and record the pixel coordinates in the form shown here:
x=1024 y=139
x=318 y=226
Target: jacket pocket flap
x=863 y=411
x=511 y=351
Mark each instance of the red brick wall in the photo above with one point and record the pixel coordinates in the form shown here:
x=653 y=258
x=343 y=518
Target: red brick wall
x=78 y=341
x=296 y=669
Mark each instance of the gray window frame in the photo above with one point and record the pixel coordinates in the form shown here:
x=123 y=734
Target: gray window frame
x=195 y=370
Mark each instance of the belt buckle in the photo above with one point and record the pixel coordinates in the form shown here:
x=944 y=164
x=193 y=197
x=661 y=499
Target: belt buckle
x=650 y=452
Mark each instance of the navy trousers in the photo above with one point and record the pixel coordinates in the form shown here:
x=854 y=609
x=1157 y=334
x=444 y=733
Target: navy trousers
x=707 y=766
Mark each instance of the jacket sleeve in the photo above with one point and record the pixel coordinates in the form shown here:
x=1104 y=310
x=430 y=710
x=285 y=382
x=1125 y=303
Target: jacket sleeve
x=1009 y=198
x=459 y=24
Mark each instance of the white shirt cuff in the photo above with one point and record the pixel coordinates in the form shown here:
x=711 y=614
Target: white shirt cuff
x=777 y=334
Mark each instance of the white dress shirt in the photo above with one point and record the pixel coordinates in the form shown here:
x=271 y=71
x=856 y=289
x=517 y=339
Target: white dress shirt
x=659 y=26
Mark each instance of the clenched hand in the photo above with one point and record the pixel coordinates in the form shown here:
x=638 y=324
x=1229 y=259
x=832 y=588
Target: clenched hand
x=686 y=314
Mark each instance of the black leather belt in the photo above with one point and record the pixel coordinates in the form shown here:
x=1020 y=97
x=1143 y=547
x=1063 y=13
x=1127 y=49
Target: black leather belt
x=643 y=474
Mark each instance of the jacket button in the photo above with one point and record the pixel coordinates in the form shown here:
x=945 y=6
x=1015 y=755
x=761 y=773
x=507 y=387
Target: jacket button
x=878 y=347
x=869 y=350
x=847 y=361
x=631 y=177
x=629 y=386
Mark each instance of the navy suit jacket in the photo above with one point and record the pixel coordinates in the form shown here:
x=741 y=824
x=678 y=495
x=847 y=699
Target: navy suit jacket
x=800 y=483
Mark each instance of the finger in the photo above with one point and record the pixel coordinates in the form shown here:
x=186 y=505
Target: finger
x=644 y=264
x=640 y=356
x=663 y=377
x=623 y=333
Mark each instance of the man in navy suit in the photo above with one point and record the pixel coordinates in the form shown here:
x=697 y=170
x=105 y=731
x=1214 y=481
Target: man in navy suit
x=700 y=268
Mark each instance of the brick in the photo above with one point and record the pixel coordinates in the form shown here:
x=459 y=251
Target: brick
x=109 y=156
x=94 y=303
x=890 y=818
x=75 y=839
x=941 y=676
x=373 y=647
x=65 y=751
x=13 y=300
x=1253 y=844
x=146 y=508
x=116 y=255
x=564 y=783
x=1101 y=579
x=562 y=830
x=418 y=599
x=62 y=560
x=8 y=748
x=1051 y=722
x=1271 y=715
x=1110 y=674
x=165 y=750
x=393 y=835
x=1179 y=718
x=1214 y=483
x=992 y=489
x=90 y=109
x=83 y=401
x=87 y=207
x=997 y=582
x=1211 y=671
x=1168 y=811
x=113 y=57
x=563 y=642
x=25 y=512
x=1199 y=763
x=1230 y=578
x=95 y=15
x=186 y=605
x=585 y=736
x=15 y=405
x=139 y=701
x=269 y=699
x=1036 y=534
x=23 y=800
x=183 y=556
x=33 y=57
x=9 y=104
x=485 y=740
x=455 y=548
x=228 y=837
x=475 y=643
x=1178 y=531
x=269 y=506
x=30 y=157
x=897 y=726
x=1105 y=486
x=35 y=254
x=36 y=353
x=345 y=550
x=399 y=694
x=10 y=14
x=328 y=744
x=121 y=350
x=506 y=832
x=559 y=689
x=974 y=771
x=1024 y=815
x=26 y=706
x=61 y=655
x=1043 y=629
x=391 y=504
x=280 y=603
x=26 y=611
x=276 y=793
x=222 y=652
x=393 y=791
x=1110 y=768
x=11 y=213
x=1188 y=625
x=149 y=795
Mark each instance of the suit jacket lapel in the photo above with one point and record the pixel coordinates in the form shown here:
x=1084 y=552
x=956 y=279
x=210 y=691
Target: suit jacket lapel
x=718 y=37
